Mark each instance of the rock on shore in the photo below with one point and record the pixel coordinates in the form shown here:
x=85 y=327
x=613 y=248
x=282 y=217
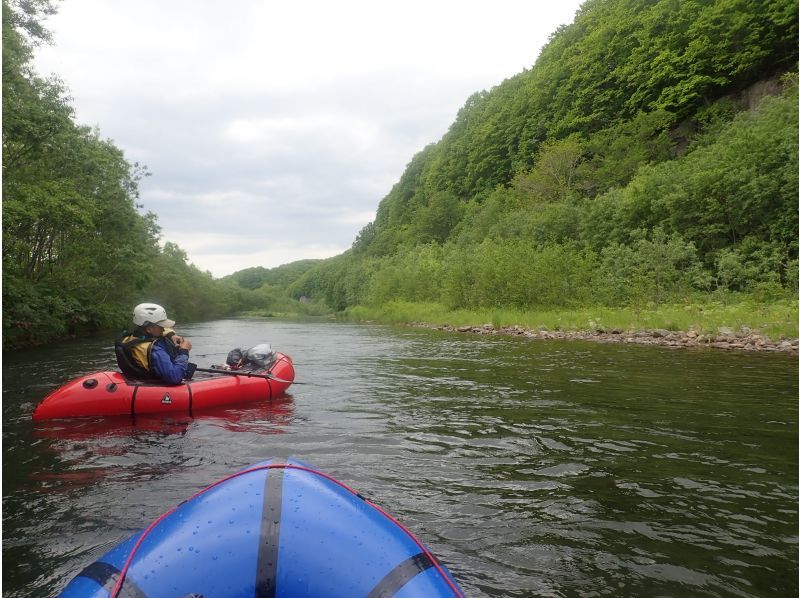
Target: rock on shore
x=725 y=338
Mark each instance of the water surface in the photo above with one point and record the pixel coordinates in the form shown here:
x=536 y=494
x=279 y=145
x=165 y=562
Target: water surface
x=528 y=467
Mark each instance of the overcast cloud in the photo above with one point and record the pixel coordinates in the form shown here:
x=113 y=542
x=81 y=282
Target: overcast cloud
x=273 y=129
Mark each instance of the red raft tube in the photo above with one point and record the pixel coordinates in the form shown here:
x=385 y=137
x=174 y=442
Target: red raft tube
x=111 y=393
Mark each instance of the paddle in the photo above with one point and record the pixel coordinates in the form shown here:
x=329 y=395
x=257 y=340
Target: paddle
x=247 y=374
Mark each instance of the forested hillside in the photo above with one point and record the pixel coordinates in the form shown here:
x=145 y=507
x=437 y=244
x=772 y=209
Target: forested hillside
x=282 y=277
x=648 y=157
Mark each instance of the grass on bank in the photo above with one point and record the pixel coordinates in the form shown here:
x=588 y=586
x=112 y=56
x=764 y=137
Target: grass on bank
x=289 y=308
x=777 y=320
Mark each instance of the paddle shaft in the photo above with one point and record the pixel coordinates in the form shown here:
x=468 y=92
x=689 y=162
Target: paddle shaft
x=247 y=374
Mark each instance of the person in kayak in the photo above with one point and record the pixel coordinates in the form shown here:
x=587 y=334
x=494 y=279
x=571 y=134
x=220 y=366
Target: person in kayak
x=153 y=351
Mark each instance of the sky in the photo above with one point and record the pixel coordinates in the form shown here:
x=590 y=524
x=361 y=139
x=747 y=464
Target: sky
x=272 y=130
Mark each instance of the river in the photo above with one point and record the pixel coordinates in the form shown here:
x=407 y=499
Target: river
x=529 y=468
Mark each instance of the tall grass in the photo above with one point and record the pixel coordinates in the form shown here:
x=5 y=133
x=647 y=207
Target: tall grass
x=778 y=320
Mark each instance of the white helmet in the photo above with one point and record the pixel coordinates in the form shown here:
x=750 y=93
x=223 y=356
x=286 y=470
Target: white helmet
x=150 y=313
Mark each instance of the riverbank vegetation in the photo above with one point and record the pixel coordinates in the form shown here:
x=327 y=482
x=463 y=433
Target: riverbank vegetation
x=644 y=172
x=777 y=320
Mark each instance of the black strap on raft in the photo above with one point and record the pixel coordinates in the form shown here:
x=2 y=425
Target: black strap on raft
x=133 y=400
x=269 y=538
x=401 y=575
x=191 y=398
x=106 y=576
x=267 y=568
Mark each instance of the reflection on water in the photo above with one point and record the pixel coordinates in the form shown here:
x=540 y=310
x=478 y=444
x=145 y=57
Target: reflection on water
x=266 y=417
x=529 y=468
x=86 y=445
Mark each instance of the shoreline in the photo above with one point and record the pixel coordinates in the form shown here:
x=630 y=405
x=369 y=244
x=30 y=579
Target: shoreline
x=726 y=338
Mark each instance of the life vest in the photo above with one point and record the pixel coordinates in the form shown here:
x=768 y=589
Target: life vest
x=134 y=353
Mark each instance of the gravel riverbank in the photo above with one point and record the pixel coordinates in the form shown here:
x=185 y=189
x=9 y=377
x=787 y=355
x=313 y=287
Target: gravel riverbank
x=725 y=338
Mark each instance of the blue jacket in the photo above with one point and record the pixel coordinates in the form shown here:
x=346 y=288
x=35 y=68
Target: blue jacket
x=169 y=370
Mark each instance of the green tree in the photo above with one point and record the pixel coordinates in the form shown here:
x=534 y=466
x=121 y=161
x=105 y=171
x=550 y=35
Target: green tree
x=74 y=245
x=77 y=254
x=553 y=175
x=438 y=217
